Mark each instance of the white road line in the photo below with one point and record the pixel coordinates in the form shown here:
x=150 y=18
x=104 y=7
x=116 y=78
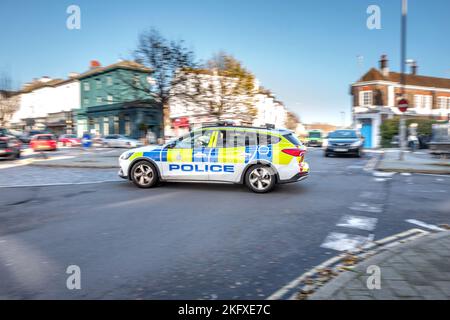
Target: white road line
x=58 y=184
x=344 y=242
x=25 y=162
x=361 y=206
x=370 y=166
x=358 y=222
x=425 y=225
x=382 y=174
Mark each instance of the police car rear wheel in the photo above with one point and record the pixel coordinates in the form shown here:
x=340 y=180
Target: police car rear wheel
x=260 y=179
x=144 y=174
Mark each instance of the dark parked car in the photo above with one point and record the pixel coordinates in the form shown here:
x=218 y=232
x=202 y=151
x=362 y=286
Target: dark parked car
x=9 y=147
x=343 y=142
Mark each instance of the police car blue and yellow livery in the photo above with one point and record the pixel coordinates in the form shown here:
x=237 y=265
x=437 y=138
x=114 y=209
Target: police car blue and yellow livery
x=258 y=157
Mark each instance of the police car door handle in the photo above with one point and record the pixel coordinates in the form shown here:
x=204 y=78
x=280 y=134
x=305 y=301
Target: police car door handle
x=199 y=154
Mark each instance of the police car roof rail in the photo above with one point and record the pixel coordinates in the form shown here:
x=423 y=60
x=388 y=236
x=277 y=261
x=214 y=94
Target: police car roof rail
x=224 y=124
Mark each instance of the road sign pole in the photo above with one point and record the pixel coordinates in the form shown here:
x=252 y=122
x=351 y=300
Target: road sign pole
x=402 y=128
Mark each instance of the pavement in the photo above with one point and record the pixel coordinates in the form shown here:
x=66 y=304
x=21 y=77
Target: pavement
x=198 y=241
x=414 y=162
x=95 y=159
x=417 y=270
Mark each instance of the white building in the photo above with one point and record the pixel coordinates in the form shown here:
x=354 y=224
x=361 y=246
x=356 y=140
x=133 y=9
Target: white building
x=376 y=95
x=46 y=96
x=195 y=102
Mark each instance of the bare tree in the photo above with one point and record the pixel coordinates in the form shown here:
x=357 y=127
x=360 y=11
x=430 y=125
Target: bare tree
x=225 y=88
x=165 y=59
x=9 y=99
x=292 y=121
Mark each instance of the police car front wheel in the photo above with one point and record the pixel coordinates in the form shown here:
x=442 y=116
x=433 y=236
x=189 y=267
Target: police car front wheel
x=144 y=174
x=260 y=179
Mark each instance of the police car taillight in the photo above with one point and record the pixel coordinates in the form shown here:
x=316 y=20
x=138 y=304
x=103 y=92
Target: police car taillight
x=294 y=152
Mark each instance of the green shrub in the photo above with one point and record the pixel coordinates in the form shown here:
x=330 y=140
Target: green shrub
x=390 y=127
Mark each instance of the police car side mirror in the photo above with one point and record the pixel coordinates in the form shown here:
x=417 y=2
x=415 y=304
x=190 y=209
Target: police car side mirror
x=170 y=145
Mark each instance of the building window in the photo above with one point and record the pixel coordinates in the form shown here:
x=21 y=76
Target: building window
x=86 y=86
x=442 y=102
x=99 y=100
x=428 y=102
x=109 y=81
x=86 y=101
x=137 y=80
x=98 y=83
x=365 y=98
x=110 y=99
x=116 y=124
x=127 y=126
x=419 y=101
x=105 y=126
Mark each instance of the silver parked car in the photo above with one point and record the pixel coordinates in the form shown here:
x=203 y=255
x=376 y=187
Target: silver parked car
x=120 y=141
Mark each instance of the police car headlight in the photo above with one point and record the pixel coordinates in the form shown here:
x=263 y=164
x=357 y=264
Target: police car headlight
x=126 y=155
x=356 y=144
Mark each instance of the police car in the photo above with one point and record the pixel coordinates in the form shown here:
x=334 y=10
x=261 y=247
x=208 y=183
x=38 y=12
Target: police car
x=257 y=157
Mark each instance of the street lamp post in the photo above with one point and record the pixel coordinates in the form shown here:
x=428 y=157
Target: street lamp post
x=402 y=77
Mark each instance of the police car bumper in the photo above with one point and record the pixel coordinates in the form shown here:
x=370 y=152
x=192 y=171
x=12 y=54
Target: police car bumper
x=297 y=178
x=122 y=175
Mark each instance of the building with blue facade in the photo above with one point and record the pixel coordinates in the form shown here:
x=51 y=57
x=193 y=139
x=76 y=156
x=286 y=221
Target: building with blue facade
x=113 y=102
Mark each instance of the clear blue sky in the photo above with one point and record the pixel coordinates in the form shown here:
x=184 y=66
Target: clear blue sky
x=304 y=51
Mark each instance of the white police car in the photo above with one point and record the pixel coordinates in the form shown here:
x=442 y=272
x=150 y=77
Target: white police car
x=258 y=157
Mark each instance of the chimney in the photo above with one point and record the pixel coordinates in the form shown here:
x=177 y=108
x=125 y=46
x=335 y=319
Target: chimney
x=384 y=65
x=95 y=64
x=414 y=67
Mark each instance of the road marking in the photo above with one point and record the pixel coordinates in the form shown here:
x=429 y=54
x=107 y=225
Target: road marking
x=58 y=184
x=358 y=222
x=361 y=206
x=344 y=242
x=425 y=225
x=370 y=166
x=372 y=195
x=405 y=174
x=382 y=174
x=24 y=162
x=428 y=191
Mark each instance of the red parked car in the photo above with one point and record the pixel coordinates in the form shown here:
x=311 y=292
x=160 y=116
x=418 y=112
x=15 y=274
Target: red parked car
x=41 y=142
x=69 y=140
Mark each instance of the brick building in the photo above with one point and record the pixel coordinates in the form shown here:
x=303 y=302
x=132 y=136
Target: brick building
x=375 y=98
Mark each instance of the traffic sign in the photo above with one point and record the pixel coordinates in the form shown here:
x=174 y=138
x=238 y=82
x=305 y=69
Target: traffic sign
x=403 y=105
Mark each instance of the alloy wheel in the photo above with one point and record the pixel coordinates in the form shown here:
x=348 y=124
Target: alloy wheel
x=143 y=174
x=260 y=178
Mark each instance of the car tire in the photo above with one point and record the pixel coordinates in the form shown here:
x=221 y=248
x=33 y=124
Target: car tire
x=144 y=174
x=326 y=154
x=260 y=178
x=18 y=155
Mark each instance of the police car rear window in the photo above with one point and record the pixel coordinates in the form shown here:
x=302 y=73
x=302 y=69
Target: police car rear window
x=292 y=139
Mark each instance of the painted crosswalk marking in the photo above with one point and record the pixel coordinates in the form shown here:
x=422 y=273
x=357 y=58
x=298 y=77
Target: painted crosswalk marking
x=361 y=206
x=344 y=242
x=358 y=222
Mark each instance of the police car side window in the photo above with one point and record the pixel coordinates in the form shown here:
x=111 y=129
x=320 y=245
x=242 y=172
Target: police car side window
x=236 y=138
x=266 y=139
x=194 y=140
